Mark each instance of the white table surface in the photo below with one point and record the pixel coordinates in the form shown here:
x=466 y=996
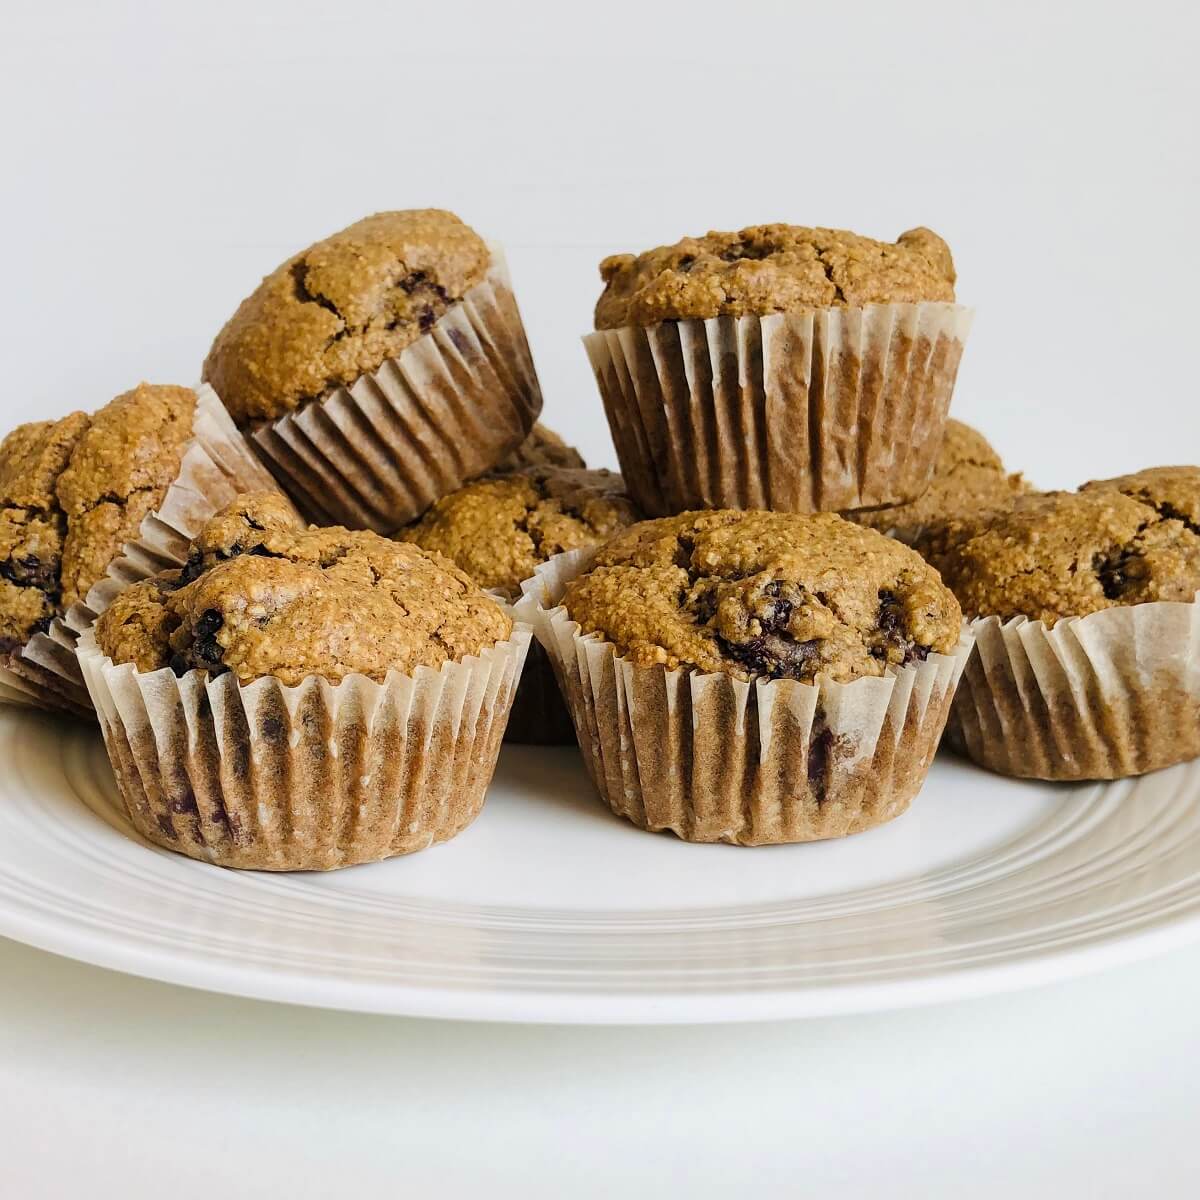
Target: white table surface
x=158 y=159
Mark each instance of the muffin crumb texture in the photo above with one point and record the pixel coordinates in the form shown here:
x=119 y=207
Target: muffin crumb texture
x=760 y=594
x=498 y=530
x=769 y=269
x=542 y=448
x=263 y=595
x=337 y=310
x=1115 y=542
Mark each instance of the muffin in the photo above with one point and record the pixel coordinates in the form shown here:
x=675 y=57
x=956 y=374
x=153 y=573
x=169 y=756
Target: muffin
x=1085 y=615
x=500 y=530
x=76 y=493
x=380 y=368
x=302 y=699
x=969 y=479
x=752 y=677
x=780 y=367
x=542 y=448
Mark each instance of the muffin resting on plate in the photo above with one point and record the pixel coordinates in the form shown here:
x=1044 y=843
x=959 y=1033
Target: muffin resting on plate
x=1088 y=630
x=779 y=367
x=74 y=492
x=381 y=367
x=500 y=529
x=752 y=677
x=968 y=479
x=367 y=680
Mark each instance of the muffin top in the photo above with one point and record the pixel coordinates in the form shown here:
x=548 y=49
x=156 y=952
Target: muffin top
x=263 y=595
x=968 y=478
x=542 y=448
x=768 y=269
x=1065 y=554
x=755 y=594
x=499 y=529
x=1173 y=492
x=74 y=491
x=336 y=310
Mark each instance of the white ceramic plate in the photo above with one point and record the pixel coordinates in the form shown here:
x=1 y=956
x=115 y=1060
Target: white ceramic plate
x=551 y=909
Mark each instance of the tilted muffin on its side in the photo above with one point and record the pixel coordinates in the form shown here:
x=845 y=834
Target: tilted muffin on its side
x=499 y=530
x=752 y=677
x=803 y=369
x=368 y=680
x=1088 y=632
x=380 y=367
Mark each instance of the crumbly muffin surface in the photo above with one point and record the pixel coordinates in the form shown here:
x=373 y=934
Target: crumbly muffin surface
x=119 y=472
x=771 y=268
x=968 y=478
x=1173 y=492
x=756 y=594
x=340 y=308
x=32 y=525
x=263 y=595
x=542 y=448
x=499 y=529
x=1066 y=554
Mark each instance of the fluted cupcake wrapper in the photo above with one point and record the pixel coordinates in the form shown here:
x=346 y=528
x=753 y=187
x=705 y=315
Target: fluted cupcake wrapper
x=311 y=777
x=832 y=410
x=218 y=464
x=715 y=759
x=446 y=409
x=1112 y=694
x=539 y=714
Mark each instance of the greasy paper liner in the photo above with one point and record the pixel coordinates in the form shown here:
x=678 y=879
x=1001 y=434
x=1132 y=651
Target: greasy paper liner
x=717 y=760
x=449 y=407
x=312 y=777
x=1112 y=694
x=217 y=465
x=832 y=410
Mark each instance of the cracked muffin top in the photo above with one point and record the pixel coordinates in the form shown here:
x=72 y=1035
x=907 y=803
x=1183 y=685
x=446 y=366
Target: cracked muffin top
x=768 y=269
x=499 y=529
x=763 y=594
x=1067 y=554
x=74 y=491
x=336 y=310
x=968 y=478
x=1173 y=492
x=542 y=448
x=264 y=595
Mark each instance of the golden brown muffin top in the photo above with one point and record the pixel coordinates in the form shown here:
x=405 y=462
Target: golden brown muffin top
x=498 y=530
x=337 y=310
x=1067 y=554
x=968 y=479
x=542 y=448
x=768 y=269
x=32 y=525
x=264 y=595
x=1173 y=492
x=755 y=594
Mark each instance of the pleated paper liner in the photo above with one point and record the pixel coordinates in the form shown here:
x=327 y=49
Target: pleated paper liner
x=311 y=777
x=539 y=713
x=449 y=407
x=217 y=465
x=832 y=410
x=714 y=759
x=1112 y=694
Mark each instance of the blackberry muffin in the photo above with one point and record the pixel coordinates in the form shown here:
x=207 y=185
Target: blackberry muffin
x=969 y=479
x=1088 y=663
x=752 y=677
x=76 y=491
x=780 y=367
x=366 y=680
x=381 y=367
x=499 y=530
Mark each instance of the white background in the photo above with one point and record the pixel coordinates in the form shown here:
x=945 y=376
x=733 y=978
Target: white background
x=156 y=160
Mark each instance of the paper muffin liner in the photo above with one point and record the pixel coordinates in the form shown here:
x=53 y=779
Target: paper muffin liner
x=715 y=759
x=217 y=466
x=377 y=454
x=310 y=777
x=1112 y=694
x=539 y=713
x=832 y=410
